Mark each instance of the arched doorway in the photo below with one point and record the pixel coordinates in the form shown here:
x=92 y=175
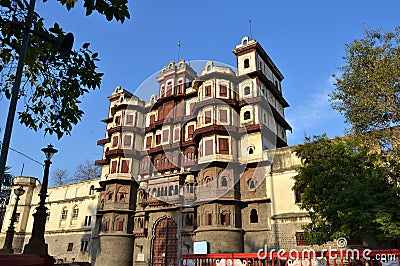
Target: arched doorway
x=165 y=244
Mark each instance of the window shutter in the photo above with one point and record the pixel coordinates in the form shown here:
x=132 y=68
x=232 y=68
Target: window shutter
x=125 y=166
x=166 y=136
x=115 y=141
x=207 y=90
x=223 y=116
x=209 y=147
x=152 y=119
x=117 y=120
x=223 y=146
x=222 y=90
x=227 y=219
x=129 y=119
x=128 y=140
x=208 y=219
x=113 y=167
x=176 y=134
x=207 y=117
x=119 y=225
x=190 y=131
x=148 y=142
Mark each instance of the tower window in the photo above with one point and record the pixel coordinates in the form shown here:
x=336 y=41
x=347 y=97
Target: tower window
x=225 y=219
x=119 y=225
x=208 y=219
x=246 y=90
x=224 y=182
x=246 y=63
x=223 y=145
x=207 y=90
x=246 y=115
x=223 y=116
x=251 y=151
x=252 y=185
x=253 y=216
x=106 y=225
x=222 y=90
x=207 y=117
x=115 y=141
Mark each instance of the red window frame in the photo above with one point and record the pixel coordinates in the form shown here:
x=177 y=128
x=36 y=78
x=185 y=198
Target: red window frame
x=128 y=140
x=223 y=90
x=223 y=116
x=223 y=144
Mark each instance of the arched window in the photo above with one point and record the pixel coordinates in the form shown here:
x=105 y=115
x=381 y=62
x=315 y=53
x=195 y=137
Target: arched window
x=224 y=182
x=246 y=115
x=225 y=218
x=251 y=150
x=252 y=184
x=110 y=194
x=64 y=213
x=140 y=223
x=106 y=225
x=246 y=63
x=154 y=192
x=122 y=194
x=75 y=212
x=246 y=90
x=119 y=225
x=91 y=190
x=253 y=216
x=207 y=181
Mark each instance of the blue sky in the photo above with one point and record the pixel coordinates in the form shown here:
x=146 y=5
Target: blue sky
x=305 y=39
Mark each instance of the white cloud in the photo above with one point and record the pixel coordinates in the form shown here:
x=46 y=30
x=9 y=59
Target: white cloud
x=314 y=116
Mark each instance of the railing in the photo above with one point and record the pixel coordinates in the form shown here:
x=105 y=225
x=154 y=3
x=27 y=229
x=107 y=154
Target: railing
x=349 y=257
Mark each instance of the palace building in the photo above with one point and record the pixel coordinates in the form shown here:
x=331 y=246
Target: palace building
x=202 y=166
x=205 y=160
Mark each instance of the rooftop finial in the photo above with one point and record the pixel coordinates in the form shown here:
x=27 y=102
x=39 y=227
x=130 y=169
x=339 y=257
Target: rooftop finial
x=251 y=36
x=179 y=49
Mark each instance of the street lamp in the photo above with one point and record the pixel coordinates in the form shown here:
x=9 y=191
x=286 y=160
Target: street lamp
x=7 y=248
x=36 y=244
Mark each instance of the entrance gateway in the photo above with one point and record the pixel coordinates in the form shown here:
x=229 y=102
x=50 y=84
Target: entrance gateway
x=165 y=248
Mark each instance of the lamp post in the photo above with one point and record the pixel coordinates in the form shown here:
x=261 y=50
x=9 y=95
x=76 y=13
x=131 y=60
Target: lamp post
x=2 y=212
x=36 y=244
x=7 y=248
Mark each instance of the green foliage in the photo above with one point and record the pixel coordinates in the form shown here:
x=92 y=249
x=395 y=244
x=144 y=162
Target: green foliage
x=112 y=9
x=51 y=85
x=348 y=190
x=367 y=91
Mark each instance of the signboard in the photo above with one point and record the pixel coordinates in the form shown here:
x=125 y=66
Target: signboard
x=200 y=247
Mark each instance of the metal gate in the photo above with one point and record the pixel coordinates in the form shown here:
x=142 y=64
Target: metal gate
x=165 y=247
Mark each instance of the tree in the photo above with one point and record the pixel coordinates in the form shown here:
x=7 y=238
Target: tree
x=60 y=177
x=348 y=190
x=86 y=171
x=367 y=92
x=52 y=83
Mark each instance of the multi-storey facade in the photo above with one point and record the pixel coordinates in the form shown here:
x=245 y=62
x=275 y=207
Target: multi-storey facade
x=195 y=164
x=70 y=221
